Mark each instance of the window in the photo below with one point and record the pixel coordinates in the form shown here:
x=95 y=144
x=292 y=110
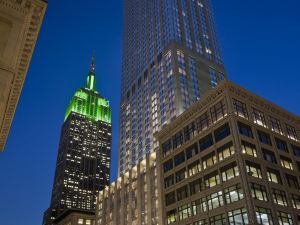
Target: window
x=222 y=132
x=167 y=147
x=296 y=150
x=179 y=159
x=194 y=168
x=168 y=165
x=170 y=198
x=209 y=160
x=284 y=218
x=238 y=217
x=184 y=212
x=206 y=142
x=291 y=132
x=292 y=181
x=259 y=192
x=276 y=126
x=171 y=216
x=218 y=220
x=225 y=151
x=229 y=172
x=189 y=131
x=169 y=181
x=180 y=175
x=259 y=118
x=203 y=122
x=269 y=156
x=296 y=201
x=200 y=222
x=245 y=130
x=286 y=163
x=195 y=186
x=249 y=149
x=218 y=111
x=212 y=180
x=215 y=200
x=177 y=140
x=182 y=193
x=88 y=222
x=80 y=221
x=240 y=109
x=191 y=151
x=281 y=145
x=264 y=138
x=233 y=194
x=199 y=206
x=253 y=169
x=264 y=216
x=274 y=176
x=279 y=197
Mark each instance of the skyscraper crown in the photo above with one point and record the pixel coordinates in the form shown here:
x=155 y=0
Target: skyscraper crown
x=88 y=102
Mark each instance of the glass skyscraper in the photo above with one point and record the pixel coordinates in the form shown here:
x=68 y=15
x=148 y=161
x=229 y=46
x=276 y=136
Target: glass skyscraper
x=171 y=58
x=84 y=155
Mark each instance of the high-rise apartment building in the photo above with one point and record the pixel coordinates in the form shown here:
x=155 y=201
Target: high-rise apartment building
x=171 y=58
x=231 y=158
x=20 y=23
x=83 y=161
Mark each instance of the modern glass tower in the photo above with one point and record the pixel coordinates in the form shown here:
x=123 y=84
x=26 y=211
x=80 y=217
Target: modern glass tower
x=171 y=58
x=83 y=161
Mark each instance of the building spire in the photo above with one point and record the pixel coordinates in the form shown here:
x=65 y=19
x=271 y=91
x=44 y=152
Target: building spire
x=91 y=79
x=93 y=65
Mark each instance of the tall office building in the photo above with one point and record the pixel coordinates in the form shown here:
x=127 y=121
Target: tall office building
x=83 y=162
x=20 y=24
x=170 y=59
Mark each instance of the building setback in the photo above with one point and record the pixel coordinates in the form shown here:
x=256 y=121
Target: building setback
x=83 y=161
x=133 y=198
x=20 y=23
x=171 y=59
x=232 y=158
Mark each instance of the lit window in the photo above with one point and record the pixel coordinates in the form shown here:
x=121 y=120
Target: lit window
x=184 y=212
x=249 y=149
x=238 y=217
x=80 y=221
x=253 y=170
x=259 y=192
x=171 y=216
x=88 y=222
x=230 y=172
x=259 y=118
x=240 y=109
x=286 y=163
x=273 y=176
x=296 y=201
x=279 y=197
x=215 y=200
x=291 y=132
x=233 y=194
x=225 y=151
x=264 y=216
x=218 y=111
x=209 y=160
x=212 y=180
x=284 y=218
x=276 y=125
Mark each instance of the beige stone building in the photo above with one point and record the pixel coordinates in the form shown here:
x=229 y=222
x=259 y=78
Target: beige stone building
x=20 y=22
x=231 y=158
x=76 y=217
x=133 y=198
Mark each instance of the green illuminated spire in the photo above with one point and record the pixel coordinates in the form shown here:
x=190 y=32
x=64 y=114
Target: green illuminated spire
x=87 y=101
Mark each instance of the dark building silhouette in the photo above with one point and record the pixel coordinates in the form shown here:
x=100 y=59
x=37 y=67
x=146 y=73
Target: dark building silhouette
x=83 y=161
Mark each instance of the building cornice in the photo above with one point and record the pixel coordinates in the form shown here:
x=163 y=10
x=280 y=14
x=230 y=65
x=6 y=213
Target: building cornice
x=34 y=11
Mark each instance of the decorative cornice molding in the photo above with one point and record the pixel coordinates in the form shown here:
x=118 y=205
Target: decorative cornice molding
x=35 y=12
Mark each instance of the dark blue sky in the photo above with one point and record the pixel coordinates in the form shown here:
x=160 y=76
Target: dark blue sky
x=260 y=45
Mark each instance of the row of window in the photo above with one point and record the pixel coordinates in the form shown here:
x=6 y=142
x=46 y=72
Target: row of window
x=259 y=118
x=204 y=143
x=216 y=113
x=265 y=138
x=234 y=217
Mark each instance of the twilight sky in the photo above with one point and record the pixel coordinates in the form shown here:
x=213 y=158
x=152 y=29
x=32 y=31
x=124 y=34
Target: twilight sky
x=260 y=41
